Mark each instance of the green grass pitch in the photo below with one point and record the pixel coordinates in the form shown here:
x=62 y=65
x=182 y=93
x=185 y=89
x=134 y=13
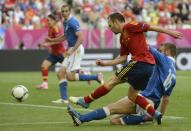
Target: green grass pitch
x=37 y=113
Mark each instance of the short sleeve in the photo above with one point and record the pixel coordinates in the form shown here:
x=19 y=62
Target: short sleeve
x=123 y=50
x=75 y=26
x=57 y=31
x=159 y=57
x=169 y=90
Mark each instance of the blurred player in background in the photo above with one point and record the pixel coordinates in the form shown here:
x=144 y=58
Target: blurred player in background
x=137 y=72
x=160 y=86
x=71 y=65
x=56 y=51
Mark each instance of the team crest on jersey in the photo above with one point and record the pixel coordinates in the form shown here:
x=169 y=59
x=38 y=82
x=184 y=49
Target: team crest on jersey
x=125 y=34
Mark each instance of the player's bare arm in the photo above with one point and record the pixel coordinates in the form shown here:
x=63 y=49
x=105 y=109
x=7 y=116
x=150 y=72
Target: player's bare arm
x=118 y=60
x=164 y=104
x=45 y=44
x=56 y=40
x=77 y=44
x=175 y=34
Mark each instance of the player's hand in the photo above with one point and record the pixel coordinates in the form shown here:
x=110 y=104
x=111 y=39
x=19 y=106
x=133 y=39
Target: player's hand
x=68 y=53
x=177 y=34
x=64 y=54
x=44 y=44
x=100 y=62
x=48 y=40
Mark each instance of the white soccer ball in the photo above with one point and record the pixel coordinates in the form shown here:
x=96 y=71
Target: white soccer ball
x=20 y=93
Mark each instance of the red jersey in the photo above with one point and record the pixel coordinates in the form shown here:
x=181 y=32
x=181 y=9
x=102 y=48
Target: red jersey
x=133 y=41
x=56 y=49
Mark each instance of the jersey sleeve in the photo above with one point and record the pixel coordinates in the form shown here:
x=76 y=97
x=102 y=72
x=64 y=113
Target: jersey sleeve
x=137 y=27
x=159 y=57
x=169 y=90
x=75 y=26
x=123 y=50
x=57 y=31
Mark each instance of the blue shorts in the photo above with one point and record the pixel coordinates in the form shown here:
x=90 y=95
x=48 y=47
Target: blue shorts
x=54 y=59
x=137 y=74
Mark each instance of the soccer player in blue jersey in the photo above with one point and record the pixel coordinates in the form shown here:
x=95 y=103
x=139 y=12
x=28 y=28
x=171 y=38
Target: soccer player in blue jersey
x=73 y=56
x=160 y=86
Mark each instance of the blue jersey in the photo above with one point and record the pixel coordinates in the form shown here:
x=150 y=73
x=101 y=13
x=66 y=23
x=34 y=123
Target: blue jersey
x=71 y=26
x=163 y=78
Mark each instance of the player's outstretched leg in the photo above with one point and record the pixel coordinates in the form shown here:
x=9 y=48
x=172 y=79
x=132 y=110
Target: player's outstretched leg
x=100 y=78
x=79 y=101
x=87 y=77
x=86 y=100
x=75 y=115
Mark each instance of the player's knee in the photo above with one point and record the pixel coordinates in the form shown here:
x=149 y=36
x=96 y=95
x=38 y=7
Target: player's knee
x=131 y=98
x=61 y=73
x=113 y=81
x=109 y=85
x=44 y=66
x=112 y=108
x=115 y=121
x=70 y=76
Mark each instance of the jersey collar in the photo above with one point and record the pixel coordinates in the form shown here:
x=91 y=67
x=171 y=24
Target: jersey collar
x=70 y=16
x=170 y=57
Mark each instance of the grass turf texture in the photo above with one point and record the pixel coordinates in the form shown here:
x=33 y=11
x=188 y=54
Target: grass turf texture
x=37 y=113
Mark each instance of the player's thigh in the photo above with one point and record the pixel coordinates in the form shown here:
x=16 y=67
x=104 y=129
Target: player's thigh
x=136 y=73
x=122 y=106
x=72 y=62
x=75 y=59
x=112 y=82
x=115 y=119
x=65 y=63
x=53 y=59
x=61 y=74
x=71 y=76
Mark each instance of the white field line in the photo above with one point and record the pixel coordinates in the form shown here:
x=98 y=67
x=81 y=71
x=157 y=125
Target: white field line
x=62 y=108
x=42 y=106
x=33 y=123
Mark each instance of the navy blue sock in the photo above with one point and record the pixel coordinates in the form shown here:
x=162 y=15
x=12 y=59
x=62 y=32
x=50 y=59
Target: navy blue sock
x=133 y=119
x=93 y=115
x=85 y=77
x=63 y=90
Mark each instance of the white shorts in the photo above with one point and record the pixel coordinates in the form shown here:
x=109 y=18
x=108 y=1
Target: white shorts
x=73 y=61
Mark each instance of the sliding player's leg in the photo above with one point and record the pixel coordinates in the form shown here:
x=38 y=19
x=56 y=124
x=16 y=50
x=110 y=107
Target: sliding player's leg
x=123 y=106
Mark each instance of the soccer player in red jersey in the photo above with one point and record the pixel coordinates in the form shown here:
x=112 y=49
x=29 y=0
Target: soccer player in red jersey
x=137 y=72
x=56 y=51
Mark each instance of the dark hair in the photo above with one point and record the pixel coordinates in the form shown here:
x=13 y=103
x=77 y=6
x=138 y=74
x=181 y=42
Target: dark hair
x=69 y=7
x=117 y=16
x=52 y=17
x=170 y=47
